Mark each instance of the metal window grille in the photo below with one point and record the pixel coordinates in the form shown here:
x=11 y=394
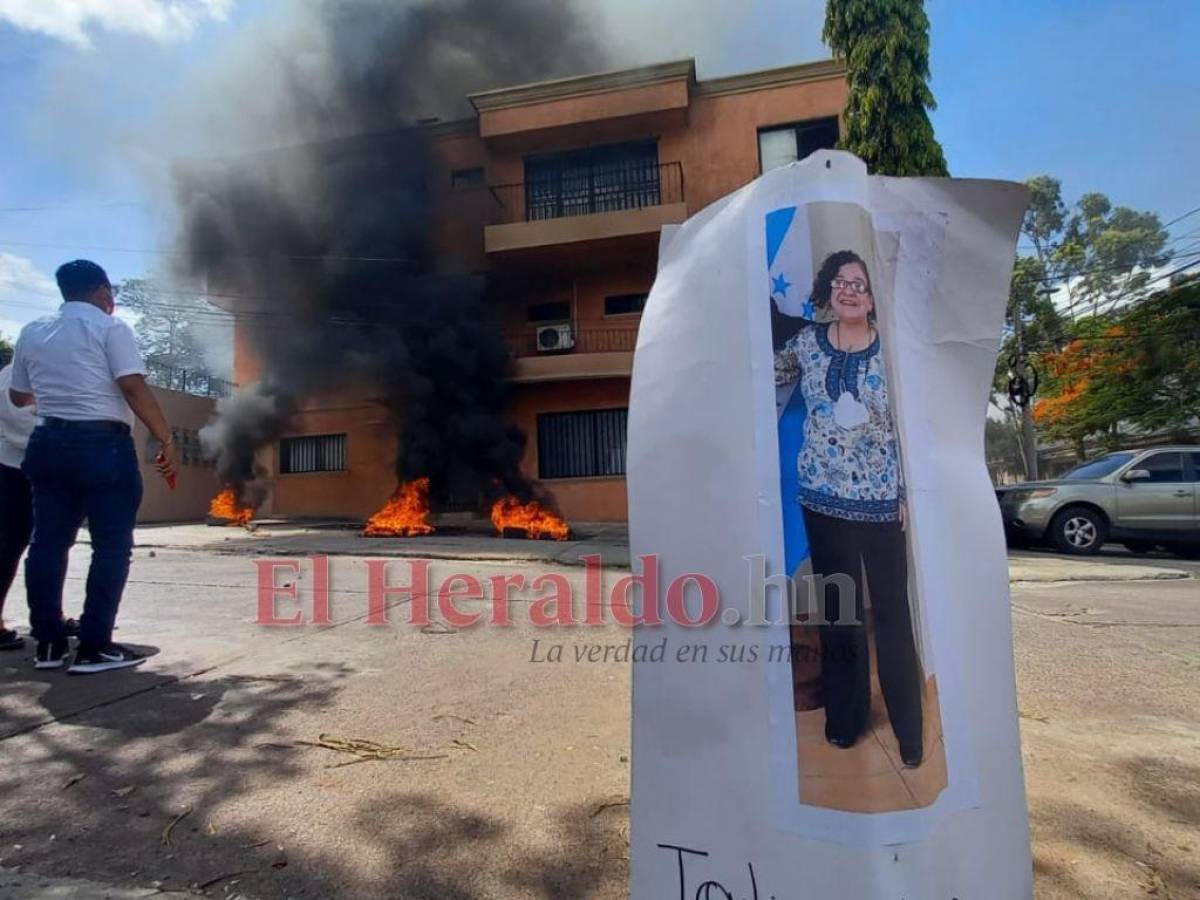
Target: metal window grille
x=312 y=453
x=582 y=444
x=594 y=180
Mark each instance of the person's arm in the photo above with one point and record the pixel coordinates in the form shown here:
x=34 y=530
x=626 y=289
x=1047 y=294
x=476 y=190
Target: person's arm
x=20 y=391
x=787 y=362
x=141 y=400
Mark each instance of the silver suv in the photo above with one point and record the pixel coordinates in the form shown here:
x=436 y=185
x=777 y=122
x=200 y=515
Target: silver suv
x=1143 y=499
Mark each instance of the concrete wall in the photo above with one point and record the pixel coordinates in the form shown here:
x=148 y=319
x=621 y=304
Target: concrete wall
x=197 y=482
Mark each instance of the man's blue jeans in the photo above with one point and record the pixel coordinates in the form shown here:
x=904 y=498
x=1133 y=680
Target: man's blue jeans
x=78 y=470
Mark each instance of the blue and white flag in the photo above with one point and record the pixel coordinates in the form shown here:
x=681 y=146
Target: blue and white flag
x=789 y=262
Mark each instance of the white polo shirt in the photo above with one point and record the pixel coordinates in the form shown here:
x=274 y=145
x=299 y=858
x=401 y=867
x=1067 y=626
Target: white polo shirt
x=70 y=362
x=16 y=424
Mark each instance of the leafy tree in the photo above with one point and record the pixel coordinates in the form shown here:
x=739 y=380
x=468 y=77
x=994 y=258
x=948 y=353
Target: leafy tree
x=167 y=330
x=6 y=351
x=1137 y=368
x=885 y=44
x=1110 y=250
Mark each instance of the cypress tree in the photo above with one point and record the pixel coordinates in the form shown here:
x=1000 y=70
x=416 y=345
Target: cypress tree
x=885 y=45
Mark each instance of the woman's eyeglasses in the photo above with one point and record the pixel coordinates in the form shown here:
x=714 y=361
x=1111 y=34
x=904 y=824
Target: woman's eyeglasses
x=842 y=284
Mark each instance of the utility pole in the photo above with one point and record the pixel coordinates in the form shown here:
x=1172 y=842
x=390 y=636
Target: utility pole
x=1020 y=394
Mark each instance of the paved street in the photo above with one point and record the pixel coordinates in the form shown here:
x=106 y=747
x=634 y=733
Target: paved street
x=511 y=776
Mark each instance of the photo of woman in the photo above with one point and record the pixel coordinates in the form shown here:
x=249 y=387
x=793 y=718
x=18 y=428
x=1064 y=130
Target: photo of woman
x=841 y=473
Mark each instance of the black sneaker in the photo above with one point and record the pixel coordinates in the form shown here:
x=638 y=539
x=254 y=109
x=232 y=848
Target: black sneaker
x=10 y=640
x=51 y=654
x=89 y=660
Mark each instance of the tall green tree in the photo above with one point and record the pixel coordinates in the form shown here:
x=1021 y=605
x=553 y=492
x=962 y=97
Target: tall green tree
x=885 y=45
x=6 y=351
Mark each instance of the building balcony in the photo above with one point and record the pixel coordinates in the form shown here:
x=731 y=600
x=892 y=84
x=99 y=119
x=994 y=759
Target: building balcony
x=584 y=351
x=625 y=202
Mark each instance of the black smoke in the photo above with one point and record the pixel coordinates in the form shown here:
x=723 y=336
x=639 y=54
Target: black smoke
x=328 y=244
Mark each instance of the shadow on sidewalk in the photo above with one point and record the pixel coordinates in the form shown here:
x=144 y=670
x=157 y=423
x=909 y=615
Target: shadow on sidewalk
x=96 y=795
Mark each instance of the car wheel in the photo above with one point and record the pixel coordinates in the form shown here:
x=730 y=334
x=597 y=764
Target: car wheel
x=1079 y=531
x=1139 y=547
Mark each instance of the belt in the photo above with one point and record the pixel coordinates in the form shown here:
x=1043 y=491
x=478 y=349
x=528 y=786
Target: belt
x=85 y=425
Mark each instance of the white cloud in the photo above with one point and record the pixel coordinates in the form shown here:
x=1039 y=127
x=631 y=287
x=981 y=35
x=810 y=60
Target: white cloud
x=69 y=20
x=26 y=293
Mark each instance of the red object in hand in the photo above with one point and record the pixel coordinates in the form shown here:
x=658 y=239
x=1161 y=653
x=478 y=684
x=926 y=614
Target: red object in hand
x=162 y=458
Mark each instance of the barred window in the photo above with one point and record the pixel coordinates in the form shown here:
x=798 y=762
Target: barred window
x=582 y=444
x=312 y=453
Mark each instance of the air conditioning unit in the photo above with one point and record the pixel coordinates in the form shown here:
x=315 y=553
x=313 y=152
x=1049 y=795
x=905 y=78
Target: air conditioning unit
x=555 y=338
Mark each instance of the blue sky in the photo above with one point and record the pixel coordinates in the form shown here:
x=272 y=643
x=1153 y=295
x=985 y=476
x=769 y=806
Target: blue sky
x=1096 y=92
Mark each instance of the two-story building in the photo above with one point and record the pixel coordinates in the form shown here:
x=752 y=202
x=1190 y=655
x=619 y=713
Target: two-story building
x=570 y=182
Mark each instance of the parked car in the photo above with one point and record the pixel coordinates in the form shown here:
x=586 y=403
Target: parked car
x=1144 y=499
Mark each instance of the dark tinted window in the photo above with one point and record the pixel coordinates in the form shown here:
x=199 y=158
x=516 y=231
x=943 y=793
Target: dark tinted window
x=550 y=312
x=1098 y=468
x=582 y=444
x=1195 y=466
x=624 y=304
x=1163 y=467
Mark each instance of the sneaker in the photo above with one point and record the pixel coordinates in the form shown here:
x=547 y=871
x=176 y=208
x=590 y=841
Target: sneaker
x=51 y=654
x=71 y=627
x=10 y=640
x=89 y=660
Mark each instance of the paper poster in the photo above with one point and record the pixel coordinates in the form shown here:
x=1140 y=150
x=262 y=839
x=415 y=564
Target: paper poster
x=806 y=443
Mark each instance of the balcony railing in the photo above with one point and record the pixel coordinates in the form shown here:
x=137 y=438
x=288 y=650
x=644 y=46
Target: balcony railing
x=583 y=193
x=187 y=381
x=588 y=339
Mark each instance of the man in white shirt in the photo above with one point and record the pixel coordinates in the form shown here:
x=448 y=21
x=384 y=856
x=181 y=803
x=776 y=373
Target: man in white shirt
x=82 y=367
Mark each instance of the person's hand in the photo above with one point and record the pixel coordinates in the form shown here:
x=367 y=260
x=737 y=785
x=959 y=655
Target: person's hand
x=903 y=516
x=167 y=461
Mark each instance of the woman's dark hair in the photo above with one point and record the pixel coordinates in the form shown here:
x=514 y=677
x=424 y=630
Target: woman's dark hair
x=822 y=289
x=79 y=278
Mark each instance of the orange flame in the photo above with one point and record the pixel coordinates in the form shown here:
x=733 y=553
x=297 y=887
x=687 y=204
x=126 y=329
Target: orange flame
x=532 y=518
x=225 y=507
x=406 y=514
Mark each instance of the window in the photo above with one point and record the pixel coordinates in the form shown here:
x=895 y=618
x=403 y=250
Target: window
x=1163 y=467
x=1098 y=468
x=1195 y=466
x=624 y=304
x=313 y=453
x=467 y=178
x=581 y=444
x=785 y=144
x=593 y=180
x=550 y=312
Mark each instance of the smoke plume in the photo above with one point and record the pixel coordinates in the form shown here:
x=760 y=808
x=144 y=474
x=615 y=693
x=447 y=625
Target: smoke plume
x=328 y=244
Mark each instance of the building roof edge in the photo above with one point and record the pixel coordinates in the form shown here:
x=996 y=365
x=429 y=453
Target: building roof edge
x=819 y=70
x=581 y=85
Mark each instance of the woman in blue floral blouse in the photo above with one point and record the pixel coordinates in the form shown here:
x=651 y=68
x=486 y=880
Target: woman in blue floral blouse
x=852 y=490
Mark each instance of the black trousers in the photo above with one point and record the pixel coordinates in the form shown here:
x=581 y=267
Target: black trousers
x=840 y=546
x=16 y=524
